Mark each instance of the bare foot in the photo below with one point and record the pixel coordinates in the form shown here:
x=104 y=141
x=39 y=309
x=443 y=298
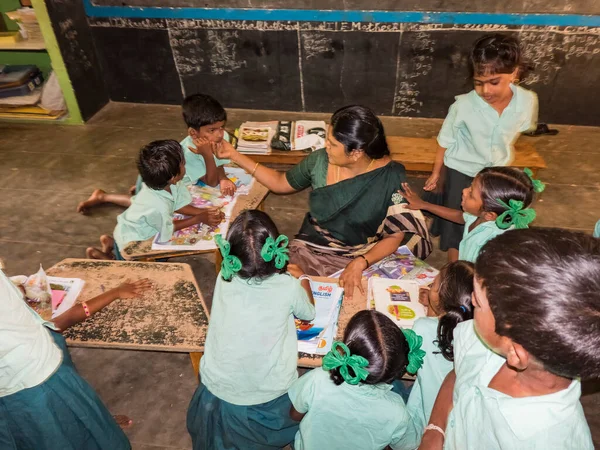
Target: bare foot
x=108 y=243
x=123 y=421
x=96 y=198
x=94 y=253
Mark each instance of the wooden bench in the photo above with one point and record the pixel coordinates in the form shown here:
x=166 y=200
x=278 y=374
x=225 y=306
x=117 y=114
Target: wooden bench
x=417 y=154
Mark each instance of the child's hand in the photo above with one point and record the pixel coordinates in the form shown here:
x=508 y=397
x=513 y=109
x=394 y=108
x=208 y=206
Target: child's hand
x=424 y=296
x=133 y=290
x=432 y=182
x=295 y=270
x=414 y=201
x=211 y=216
x=203 y=146
x=227 y=186
x=224 y=150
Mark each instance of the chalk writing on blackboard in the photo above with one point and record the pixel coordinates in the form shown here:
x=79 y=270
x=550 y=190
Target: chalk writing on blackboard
x=72 y=52
x=187 y=51
x=223 y=53
x=315 y=44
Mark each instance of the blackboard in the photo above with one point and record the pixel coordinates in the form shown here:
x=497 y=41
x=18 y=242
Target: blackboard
x=76 y=45
x=77 y=48
x=138 y=64
x=396 y=69
x=247 y=68
x=509 y=6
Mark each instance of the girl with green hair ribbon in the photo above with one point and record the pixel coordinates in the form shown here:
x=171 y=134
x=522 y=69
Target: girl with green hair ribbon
x=251 y=351
x=350 y=400
x=498 y=200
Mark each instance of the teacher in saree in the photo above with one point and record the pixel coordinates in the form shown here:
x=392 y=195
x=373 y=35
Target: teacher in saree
x=356 y=214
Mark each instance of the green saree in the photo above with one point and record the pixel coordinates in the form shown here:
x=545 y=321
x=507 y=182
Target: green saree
x=348 y=218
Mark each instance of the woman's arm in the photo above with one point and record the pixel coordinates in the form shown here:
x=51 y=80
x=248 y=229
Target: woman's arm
x=351 y=277
x=274 y=180
x=415 y=202
x=76 y=314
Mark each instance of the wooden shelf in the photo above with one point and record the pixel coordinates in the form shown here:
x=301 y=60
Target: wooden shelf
x=26 y=44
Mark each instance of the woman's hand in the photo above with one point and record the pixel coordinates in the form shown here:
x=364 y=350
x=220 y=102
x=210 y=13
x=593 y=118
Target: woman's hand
x=133 y=290
x=224 y=150
x=414 y=201
x=351 y=277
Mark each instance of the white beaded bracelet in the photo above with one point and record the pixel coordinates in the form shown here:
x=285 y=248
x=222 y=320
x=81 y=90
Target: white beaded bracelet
x=436 y=428
x=304 y=277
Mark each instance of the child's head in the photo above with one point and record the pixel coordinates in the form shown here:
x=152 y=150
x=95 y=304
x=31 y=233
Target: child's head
x=378 y=349
x=450 y=299
x=254 y=242
x=204 y=117
x=495 y=64
x=537 y=300
x=161 y=164
x=494 y=189
x=354 y=130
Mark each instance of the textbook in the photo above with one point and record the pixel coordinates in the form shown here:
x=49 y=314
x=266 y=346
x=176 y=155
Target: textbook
x=255 y=137
x=397 y=299
x=316 y=336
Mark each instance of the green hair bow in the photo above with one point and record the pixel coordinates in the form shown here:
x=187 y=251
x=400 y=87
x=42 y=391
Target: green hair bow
x=231 y=263
x=415 y=353
x=334 y=359
x=276 y=249
x=519 y=217
x=538 y=185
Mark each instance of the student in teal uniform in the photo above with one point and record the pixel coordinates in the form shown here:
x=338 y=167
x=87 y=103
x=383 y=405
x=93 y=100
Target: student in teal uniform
x=205 y=119
x=349 y=403
x=597 y=230
x=481 y=128
x=44 y=403
x=448 y=303
x=161 y=166
x=535 y=334
x=498 y=200
x=251 y=353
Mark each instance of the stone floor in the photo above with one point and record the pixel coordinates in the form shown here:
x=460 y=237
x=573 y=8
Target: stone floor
x=45 y=170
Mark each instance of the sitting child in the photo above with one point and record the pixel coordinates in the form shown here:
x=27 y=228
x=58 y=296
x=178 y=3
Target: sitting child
x=448 y=303
x=535 y=334
x=349 y=403
x=205 y=119
x=44 y=403
x=161 y=166
x=497 y=200
x=251 y=353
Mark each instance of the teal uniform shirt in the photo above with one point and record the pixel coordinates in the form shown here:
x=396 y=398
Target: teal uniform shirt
x=483 y=418
x=365 y=417
x=430 y=376
x=472 y=241
x=475 y=136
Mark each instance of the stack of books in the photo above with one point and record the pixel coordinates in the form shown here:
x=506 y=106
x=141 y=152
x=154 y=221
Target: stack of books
x=255 y=137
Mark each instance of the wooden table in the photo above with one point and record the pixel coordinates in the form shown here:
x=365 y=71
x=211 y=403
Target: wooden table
x=142 y=251
x=417 y=154
x=171 y=317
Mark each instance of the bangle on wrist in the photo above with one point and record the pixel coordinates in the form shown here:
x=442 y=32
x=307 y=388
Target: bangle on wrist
x=304 y=277
x=435 y=428
x=366 y=260
x=254 y=170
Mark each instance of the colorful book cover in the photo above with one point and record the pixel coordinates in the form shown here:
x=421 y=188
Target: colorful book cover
x=397 y=299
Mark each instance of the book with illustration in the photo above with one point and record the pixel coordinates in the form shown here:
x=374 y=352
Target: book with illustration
x=397 y=299
x=255 y=137
x=316 y=336
x=201 y=236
